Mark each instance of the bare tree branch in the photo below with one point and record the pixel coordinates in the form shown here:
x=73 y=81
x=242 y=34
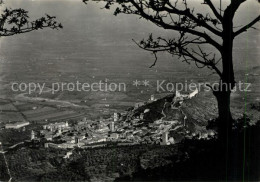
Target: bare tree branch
x=212 y=7
x=187 y=13
x=246 y=27
x=179 y=48
x=164 y=25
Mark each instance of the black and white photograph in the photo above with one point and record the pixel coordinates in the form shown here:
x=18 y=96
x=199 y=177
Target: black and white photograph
x=129 y=90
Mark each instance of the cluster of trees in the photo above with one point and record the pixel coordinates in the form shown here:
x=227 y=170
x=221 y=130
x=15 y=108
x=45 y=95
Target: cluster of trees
x=3 y=169
x=11 y=137
x=111 y=162
x=154 y=107
x=26 y=162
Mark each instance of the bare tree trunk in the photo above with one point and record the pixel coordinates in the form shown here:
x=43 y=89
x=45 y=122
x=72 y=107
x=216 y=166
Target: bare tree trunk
x=222 y=94
x=225 y=118
x=227 y=81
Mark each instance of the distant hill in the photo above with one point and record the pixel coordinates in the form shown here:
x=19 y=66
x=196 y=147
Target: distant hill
x=196 y=111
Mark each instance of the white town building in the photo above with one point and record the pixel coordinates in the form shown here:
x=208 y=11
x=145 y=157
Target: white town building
x=16 y=125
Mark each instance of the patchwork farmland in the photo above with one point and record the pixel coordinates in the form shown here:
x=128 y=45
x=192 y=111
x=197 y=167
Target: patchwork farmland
x=34 y=112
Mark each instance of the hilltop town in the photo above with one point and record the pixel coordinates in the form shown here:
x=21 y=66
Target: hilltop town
x=140 y=125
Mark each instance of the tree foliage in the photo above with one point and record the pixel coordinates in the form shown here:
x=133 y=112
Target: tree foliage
x=17 y=21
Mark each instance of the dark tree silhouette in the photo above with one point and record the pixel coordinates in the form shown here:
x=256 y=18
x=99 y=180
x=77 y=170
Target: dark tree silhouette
x=197 y=33
x=16 y=21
